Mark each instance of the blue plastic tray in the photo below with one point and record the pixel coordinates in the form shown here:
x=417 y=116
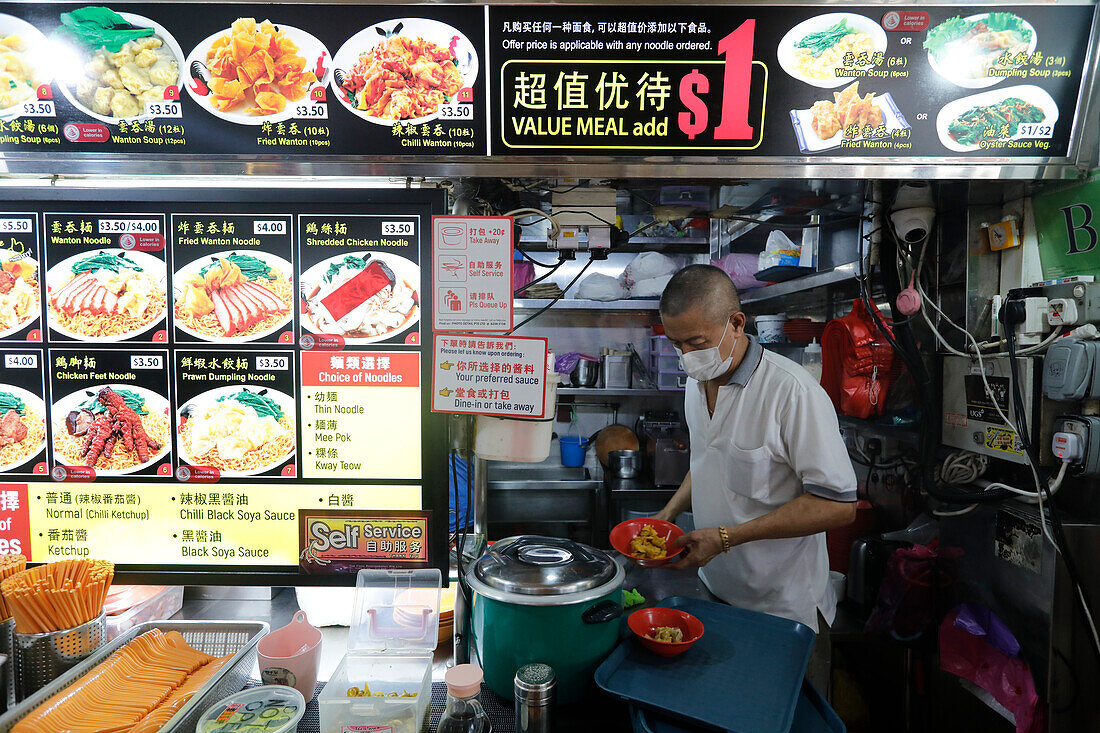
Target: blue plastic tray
x=743 y=675
x=811 y=715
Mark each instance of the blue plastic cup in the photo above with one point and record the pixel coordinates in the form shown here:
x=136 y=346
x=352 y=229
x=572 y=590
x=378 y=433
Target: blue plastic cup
x=573 y=449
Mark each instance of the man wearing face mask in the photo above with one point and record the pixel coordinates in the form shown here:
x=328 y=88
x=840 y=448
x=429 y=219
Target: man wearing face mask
x=769 y=469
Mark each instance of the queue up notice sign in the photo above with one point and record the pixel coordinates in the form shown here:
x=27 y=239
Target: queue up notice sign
x=472 y=273
x=487 y=375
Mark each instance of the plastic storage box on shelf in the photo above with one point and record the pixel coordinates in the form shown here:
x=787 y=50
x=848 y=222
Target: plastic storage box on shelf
x=671 y=380
x=665 y=363
x=384 y=682
x=661 y=346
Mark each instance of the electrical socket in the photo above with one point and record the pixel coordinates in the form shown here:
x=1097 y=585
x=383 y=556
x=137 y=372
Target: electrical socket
x=1073 y=303
x=1084 y=431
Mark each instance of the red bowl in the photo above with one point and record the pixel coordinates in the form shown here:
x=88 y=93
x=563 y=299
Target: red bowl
x=623 y=533
x=644 y=621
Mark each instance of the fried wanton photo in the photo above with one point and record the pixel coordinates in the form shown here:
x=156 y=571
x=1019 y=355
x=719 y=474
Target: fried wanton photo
x=848 y=112
x=256 y=69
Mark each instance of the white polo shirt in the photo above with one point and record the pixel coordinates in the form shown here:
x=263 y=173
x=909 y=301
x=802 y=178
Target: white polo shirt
x=774 y=435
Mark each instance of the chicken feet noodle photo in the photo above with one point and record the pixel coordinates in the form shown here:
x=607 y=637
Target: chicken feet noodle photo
x=106 y=295
x=114 y=429
x=361 y=295
x=233 y=296
x=238 y=430
x=116 y=63
x=22 y=426
x=403 y=70
x=18 y=291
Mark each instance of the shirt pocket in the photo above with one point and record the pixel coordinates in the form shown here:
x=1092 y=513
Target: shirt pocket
x=750 y=472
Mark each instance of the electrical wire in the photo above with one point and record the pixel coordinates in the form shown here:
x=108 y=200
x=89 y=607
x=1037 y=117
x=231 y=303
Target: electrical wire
x=533 y=261
x=540 y=278
x=581 y=212
x=547 y=307
x=555 y=228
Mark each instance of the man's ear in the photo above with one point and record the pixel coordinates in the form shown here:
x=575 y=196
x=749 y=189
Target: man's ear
x=739 y=320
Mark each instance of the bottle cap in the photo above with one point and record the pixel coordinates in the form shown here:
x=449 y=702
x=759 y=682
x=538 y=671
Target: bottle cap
x=535 y=683
x=464 y=680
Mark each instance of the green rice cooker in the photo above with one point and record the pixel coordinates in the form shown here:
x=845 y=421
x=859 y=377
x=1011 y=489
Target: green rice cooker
x=542 y=599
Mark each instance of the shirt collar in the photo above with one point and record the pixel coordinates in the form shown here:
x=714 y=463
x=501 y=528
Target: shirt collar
x=749 y=363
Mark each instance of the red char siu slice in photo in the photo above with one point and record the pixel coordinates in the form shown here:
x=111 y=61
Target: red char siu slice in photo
x=358 y=290
x=12 y=428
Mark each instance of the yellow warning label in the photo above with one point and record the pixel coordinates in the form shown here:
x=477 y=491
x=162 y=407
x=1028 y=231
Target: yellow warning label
x=1004 y=440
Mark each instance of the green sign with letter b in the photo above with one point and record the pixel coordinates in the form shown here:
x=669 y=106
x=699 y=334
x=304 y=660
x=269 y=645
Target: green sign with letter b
x=1067 y=219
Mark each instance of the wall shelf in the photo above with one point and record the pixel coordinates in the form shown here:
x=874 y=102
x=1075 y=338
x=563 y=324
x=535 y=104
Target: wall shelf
x=638 y=305
x=601 y=392
x=839 y=274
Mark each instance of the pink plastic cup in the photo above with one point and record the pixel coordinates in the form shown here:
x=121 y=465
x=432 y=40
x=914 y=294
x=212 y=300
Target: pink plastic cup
x=291 y=655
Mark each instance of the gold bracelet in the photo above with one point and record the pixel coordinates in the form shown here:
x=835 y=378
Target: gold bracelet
x=725 y=539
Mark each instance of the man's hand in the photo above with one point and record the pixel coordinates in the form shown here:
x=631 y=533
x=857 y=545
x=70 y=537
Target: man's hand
x=700 y=547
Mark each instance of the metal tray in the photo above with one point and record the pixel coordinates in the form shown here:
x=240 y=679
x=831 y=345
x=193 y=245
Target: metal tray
x=218 y=638
x=744 y=674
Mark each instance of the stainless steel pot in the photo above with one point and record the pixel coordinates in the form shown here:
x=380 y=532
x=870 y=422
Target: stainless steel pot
x=625 y=463
x=585 y=374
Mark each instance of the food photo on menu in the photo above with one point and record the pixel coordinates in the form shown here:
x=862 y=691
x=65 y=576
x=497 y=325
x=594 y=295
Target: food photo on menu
x=112 y=65
x=994 y=119
x=819 y=50
x=22 y=419
x=847 y=116
x=24 y=64
x=979 y=50
x=106 y=295
x=232 y=296
x=360 y=295
x=251 y=72
x=247 y=427
x=19 y=292
x=403 y=70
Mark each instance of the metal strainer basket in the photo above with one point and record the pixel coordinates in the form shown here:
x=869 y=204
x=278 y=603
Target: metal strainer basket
x=42 y=658
x=7 y=633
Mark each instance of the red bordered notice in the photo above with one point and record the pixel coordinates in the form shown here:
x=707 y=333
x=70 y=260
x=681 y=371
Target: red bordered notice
x=504 y=376
x=472 y=273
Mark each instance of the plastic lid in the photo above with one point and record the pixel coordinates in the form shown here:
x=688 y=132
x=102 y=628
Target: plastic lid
x=813 y=346
x=543 y=566
x=267 y=709
x=464 y=680
x=396 y=611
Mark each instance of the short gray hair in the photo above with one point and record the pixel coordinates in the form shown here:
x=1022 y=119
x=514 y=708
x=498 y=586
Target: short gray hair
x=703 y=286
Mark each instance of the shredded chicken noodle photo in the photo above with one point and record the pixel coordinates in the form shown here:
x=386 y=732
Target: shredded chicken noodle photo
x=362 y=295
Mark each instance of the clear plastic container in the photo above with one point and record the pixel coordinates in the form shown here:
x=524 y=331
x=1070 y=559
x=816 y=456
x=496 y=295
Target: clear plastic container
x=269 y=709
x=665 y=363
x=671 y=380
x=811 y=359
x=661 y=345
x=385 y=681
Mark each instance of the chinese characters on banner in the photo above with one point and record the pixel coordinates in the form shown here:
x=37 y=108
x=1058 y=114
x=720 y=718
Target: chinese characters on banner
x=486 y=375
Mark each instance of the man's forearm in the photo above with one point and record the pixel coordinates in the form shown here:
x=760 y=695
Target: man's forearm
x=679 y=503
x=800 y=517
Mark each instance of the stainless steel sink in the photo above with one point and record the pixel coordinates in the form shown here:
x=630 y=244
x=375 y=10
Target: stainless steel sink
x=540 y=493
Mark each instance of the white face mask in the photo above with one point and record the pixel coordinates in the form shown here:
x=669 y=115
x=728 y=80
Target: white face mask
x=705 y=364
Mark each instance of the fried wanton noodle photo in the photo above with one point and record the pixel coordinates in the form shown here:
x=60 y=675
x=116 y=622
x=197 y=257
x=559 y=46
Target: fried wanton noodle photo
x=256 y=66
x=403 y=78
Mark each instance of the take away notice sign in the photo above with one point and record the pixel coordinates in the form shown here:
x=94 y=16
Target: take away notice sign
x=472 y=273
x=489 y=375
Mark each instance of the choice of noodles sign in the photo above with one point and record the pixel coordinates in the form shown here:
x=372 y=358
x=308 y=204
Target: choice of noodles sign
x=338 y=541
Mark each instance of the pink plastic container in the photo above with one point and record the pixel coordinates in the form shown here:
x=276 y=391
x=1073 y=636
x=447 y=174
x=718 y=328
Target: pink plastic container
x=291 y=655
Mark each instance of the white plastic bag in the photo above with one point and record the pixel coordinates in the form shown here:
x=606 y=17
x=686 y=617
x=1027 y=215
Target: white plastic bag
x=651 y=287
x=648 y=265
x=601 y=287
x=779 y=251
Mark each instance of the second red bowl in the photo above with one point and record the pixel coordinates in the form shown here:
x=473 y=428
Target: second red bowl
x=644 y=622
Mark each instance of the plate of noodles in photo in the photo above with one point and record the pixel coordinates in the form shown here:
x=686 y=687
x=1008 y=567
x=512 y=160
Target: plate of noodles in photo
x=106 y=294
x=18 y=292
x=254 y=72
x=24 y=64
x=22 y=426
x=365 y=296
x=403 y=70
x=819 y=50
x=233 y=297
x=241 y=430
x=114 y=428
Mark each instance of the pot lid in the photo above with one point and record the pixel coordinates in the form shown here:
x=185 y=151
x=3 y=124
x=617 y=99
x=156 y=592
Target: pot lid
x=543 y=566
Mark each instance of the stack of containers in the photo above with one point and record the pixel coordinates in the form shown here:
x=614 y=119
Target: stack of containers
x=664 y=364
x=384 y=682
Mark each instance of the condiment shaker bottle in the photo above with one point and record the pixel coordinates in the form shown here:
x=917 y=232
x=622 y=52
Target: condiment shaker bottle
x=534 y=688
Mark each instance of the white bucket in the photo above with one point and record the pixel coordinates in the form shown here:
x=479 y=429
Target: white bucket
x=770 y=328
x=517 y=439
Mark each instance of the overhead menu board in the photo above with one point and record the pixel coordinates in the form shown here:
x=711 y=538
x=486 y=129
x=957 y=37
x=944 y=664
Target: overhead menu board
x=209 y=371
x=404 y=83
x=787 y=81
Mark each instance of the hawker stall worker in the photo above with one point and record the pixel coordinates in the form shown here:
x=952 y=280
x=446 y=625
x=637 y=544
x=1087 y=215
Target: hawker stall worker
x=769 y=474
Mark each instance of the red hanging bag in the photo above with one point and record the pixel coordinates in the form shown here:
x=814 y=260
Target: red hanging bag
x=858 y=365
